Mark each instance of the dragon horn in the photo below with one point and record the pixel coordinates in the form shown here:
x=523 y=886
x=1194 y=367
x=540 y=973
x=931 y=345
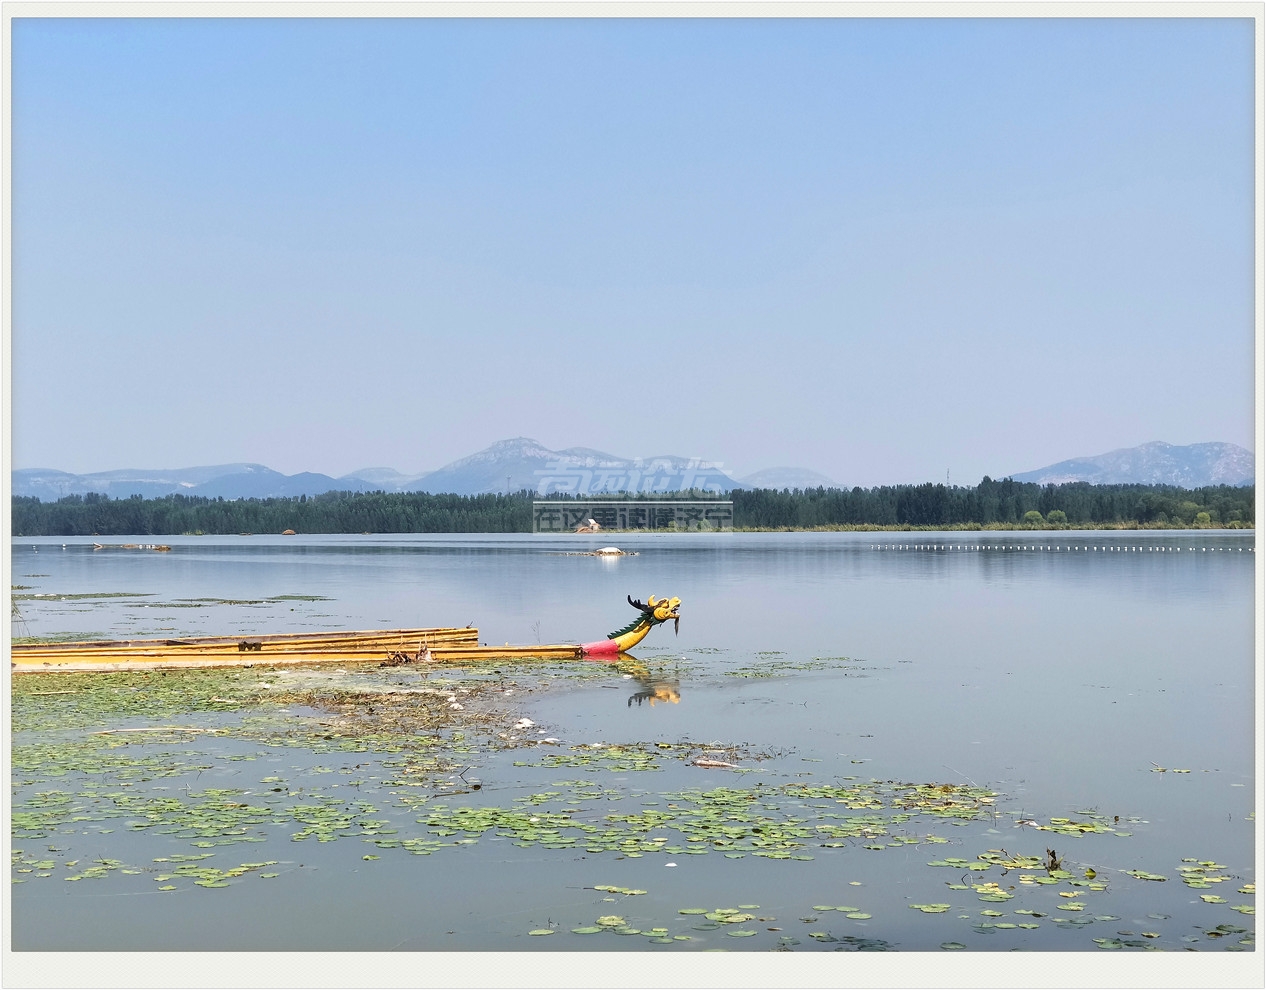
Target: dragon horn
x=650 y=600
x=676 y=625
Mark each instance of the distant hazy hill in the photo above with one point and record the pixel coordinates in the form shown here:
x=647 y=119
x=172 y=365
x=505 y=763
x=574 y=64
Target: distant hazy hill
x=515 y=464
x=787 y=477
x=223 y=480
x=1154 y=463
x=523 y=463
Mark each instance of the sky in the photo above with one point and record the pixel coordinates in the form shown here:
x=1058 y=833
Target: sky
x=883 y=250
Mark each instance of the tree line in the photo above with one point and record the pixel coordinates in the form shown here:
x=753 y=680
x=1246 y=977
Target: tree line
x=1006 y=502
x=991 y=503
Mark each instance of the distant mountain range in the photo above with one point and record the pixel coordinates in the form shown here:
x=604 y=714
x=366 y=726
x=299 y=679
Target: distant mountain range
x=1155 y=463
x=508 y=465
x=522 y=463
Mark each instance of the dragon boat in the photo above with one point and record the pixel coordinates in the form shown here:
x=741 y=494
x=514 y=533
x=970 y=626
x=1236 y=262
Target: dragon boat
x=384 y=646
x=654 y=613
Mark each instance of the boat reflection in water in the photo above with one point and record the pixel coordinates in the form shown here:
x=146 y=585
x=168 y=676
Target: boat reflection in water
x=655 y=689
x=651 y=687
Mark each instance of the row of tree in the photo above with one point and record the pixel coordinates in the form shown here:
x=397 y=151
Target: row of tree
x=332 y=512
x=992 y=502
x=989 y=503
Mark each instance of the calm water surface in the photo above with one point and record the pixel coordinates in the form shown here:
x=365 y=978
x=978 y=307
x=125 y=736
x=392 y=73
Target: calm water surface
x=1064 y=672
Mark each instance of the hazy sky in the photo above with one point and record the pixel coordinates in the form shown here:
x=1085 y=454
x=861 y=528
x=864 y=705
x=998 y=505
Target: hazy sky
x=879 y=249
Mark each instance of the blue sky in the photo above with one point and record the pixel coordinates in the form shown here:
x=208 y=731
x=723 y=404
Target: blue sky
x=879 y=249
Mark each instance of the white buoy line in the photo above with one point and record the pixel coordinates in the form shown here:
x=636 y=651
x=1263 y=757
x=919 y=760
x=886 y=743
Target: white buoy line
x=977 y=547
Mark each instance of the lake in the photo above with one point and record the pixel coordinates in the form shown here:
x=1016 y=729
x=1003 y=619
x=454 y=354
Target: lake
x=946 y=742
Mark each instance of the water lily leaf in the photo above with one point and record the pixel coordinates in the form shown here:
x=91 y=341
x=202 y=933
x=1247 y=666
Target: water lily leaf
x=857 y=915
x=541 y=931
x=949 y=946
x=742 y=933
x=588 y=930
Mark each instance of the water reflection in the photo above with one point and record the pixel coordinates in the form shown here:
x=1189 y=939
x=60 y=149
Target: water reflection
x=652 y=688
x=655 y=689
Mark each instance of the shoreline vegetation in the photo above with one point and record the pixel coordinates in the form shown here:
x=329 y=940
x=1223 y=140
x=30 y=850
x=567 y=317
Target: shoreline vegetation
x=990 y=506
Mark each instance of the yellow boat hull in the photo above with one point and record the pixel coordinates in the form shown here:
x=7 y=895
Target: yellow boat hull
x=445 y=645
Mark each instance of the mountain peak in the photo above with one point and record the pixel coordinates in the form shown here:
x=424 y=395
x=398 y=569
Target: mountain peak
x=1154 y=463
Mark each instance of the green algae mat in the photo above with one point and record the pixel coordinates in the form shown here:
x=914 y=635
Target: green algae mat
x=197 y=795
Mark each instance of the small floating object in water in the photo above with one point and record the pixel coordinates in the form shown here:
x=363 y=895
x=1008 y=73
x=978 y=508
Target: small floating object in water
x=715 y=764
x=613 y=552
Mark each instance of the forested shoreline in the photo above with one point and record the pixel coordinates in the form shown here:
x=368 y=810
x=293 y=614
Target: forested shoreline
x=991 y=504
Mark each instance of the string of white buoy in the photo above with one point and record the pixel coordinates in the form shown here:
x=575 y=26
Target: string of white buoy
x=1092 y=548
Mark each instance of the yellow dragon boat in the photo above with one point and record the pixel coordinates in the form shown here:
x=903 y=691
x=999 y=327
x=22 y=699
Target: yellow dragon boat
x=447 y=644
